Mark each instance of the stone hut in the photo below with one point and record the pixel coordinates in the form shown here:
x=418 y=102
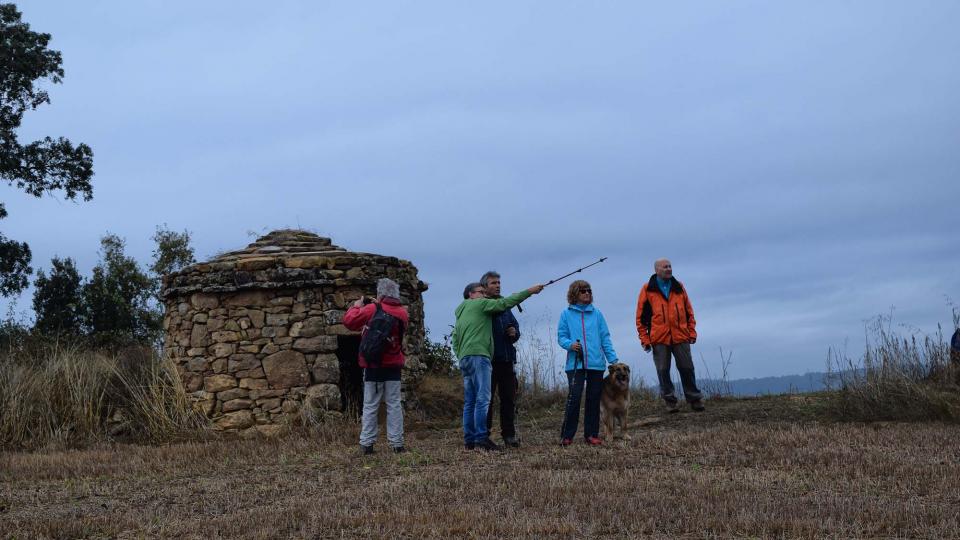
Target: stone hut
x=257 y=334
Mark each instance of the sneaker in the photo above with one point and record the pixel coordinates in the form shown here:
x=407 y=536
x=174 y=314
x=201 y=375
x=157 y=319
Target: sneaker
x=488 y=445
x=469 y=446
x=672 y=407
x=594 y=441
x=566 y=442
x=697 y=406
x=399 y=449
x=367 y=450
x=512 y=442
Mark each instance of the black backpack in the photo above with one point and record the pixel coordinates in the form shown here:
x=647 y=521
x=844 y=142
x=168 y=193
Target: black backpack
x=955 y=343
x=377 y=334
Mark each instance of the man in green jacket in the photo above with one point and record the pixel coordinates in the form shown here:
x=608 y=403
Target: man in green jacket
x=473 y=345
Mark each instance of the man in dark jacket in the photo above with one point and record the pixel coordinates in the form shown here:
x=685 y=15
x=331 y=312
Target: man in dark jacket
x=506 y=332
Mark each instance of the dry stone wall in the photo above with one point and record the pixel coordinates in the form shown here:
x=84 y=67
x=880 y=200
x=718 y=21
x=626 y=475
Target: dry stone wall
x=255 y=334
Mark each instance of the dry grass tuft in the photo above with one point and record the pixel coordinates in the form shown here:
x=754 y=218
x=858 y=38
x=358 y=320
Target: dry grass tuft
x=63 y=396
x=899 y=378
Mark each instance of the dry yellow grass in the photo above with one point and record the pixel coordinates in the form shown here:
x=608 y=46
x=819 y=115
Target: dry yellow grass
x=746 y=468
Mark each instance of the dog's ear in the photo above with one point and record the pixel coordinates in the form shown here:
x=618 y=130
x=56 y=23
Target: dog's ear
x=626 y=368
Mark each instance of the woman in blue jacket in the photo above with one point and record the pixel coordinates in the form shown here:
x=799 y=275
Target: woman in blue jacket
x=583 y=332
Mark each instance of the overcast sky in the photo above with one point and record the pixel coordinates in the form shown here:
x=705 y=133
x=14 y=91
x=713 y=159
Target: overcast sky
x=797 y=161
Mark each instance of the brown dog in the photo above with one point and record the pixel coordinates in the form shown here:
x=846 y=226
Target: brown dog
x=615 y=400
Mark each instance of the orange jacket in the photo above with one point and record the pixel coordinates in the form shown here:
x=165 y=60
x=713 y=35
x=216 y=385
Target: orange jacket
x=662 y=321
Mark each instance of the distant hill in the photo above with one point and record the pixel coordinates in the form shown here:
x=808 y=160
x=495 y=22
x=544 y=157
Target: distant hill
x=808 y=382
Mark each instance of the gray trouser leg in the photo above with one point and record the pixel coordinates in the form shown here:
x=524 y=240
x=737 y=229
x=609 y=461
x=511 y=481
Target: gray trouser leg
x=681 y=352
x=394 y=413
x=372 y=393
x=661 y=360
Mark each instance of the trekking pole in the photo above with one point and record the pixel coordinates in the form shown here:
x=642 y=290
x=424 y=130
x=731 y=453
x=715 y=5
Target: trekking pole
x=552 y=281
x=581 y=269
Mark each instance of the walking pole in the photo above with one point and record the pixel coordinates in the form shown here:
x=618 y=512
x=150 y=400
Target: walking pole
x=552 y=281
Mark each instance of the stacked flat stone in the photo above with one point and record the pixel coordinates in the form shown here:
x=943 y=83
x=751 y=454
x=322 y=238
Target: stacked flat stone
x=253 y=333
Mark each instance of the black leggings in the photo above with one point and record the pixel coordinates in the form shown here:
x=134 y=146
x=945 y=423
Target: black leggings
x=591 y=416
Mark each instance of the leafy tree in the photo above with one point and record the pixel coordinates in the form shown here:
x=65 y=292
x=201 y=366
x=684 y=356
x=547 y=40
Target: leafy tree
x=117 y=298
x=38 y=167
x=172 y=253
x=57 y=302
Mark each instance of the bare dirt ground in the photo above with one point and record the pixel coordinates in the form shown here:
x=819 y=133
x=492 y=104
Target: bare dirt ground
x=760 y=468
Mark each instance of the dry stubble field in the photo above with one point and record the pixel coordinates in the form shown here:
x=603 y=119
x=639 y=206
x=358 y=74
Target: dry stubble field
x=746 y=468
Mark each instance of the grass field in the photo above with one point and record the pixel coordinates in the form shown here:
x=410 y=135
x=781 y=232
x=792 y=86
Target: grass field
x=759 y=468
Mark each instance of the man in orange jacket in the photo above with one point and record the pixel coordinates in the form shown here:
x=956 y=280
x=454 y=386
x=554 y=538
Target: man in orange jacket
x=666 y=325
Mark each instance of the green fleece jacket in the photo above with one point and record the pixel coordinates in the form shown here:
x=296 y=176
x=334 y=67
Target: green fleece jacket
x=473 y=333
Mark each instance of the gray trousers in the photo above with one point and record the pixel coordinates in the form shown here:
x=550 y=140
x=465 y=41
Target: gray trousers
x=389 y=392
x=661 y=359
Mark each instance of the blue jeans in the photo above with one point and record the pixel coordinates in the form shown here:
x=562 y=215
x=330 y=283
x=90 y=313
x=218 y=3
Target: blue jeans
x=476 y=397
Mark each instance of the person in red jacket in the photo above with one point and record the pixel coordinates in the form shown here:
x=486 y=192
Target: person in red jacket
x=666 y=326
x=381 y=382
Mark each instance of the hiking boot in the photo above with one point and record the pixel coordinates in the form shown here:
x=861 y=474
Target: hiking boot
x=697 y=406
x=367 y=450
x=672 y=407
x=594 y=441
x=399 y=449
x=488 y=445
x=512 y=442
x=469 y=446
x=566 y=442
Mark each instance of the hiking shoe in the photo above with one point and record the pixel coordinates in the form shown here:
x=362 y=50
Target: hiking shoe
x=512 y=442
x=399 y=449
x=697 y=406
x=594 y=441
x=469 y=446
x=488 y=445
x=367 y=450
x=566 y=442
x=672 y=407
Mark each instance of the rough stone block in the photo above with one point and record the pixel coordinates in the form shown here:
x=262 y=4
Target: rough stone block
x=248 y=298
x=204 y=301
x=286 y=369
x=235 y=420
x=219 y=365
x=219 y=383
x=269 y=404
x=198 y=336
x=233 y=393
x=243 y=362
x=254 y=384
x=316 y=344
x=236 y=405
x=252 y=348
x=312 y=327
x=221 y=350
x=225 y=336
x=324 y=396
x=273 y=331
x=281 y=319
x=198 y=364
x=198 y=351
x=326 y=369
x=272 y=430
x=251 y=374
x=256 y=317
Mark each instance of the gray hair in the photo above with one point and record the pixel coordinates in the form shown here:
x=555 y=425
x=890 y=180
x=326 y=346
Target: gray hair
x=486 y=278
x=388 y=287
x=469 y=289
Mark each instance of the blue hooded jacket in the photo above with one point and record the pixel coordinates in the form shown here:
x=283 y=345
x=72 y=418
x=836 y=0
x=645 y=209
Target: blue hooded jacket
x=587 y=324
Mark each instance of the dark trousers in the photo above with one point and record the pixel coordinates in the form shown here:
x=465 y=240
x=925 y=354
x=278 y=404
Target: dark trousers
x=591 y=415
x=661 y=359
x=503 y=383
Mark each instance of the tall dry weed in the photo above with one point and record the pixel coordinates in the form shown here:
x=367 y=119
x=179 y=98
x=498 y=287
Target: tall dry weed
x=898 y=378
x=60 y=395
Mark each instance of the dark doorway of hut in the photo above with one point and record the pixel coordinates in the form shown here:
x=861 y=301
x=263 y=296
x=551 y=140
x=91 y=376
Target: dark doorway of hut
x=351 y=375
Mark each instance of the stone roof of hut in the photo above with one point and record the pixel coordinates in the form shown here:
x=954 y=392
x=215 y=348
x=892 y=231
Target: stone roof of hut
x=286 y=259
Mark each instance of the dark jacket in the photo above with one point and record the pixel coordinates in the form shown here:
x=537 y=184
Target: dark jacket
x=503 y=349
x=357 y=318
